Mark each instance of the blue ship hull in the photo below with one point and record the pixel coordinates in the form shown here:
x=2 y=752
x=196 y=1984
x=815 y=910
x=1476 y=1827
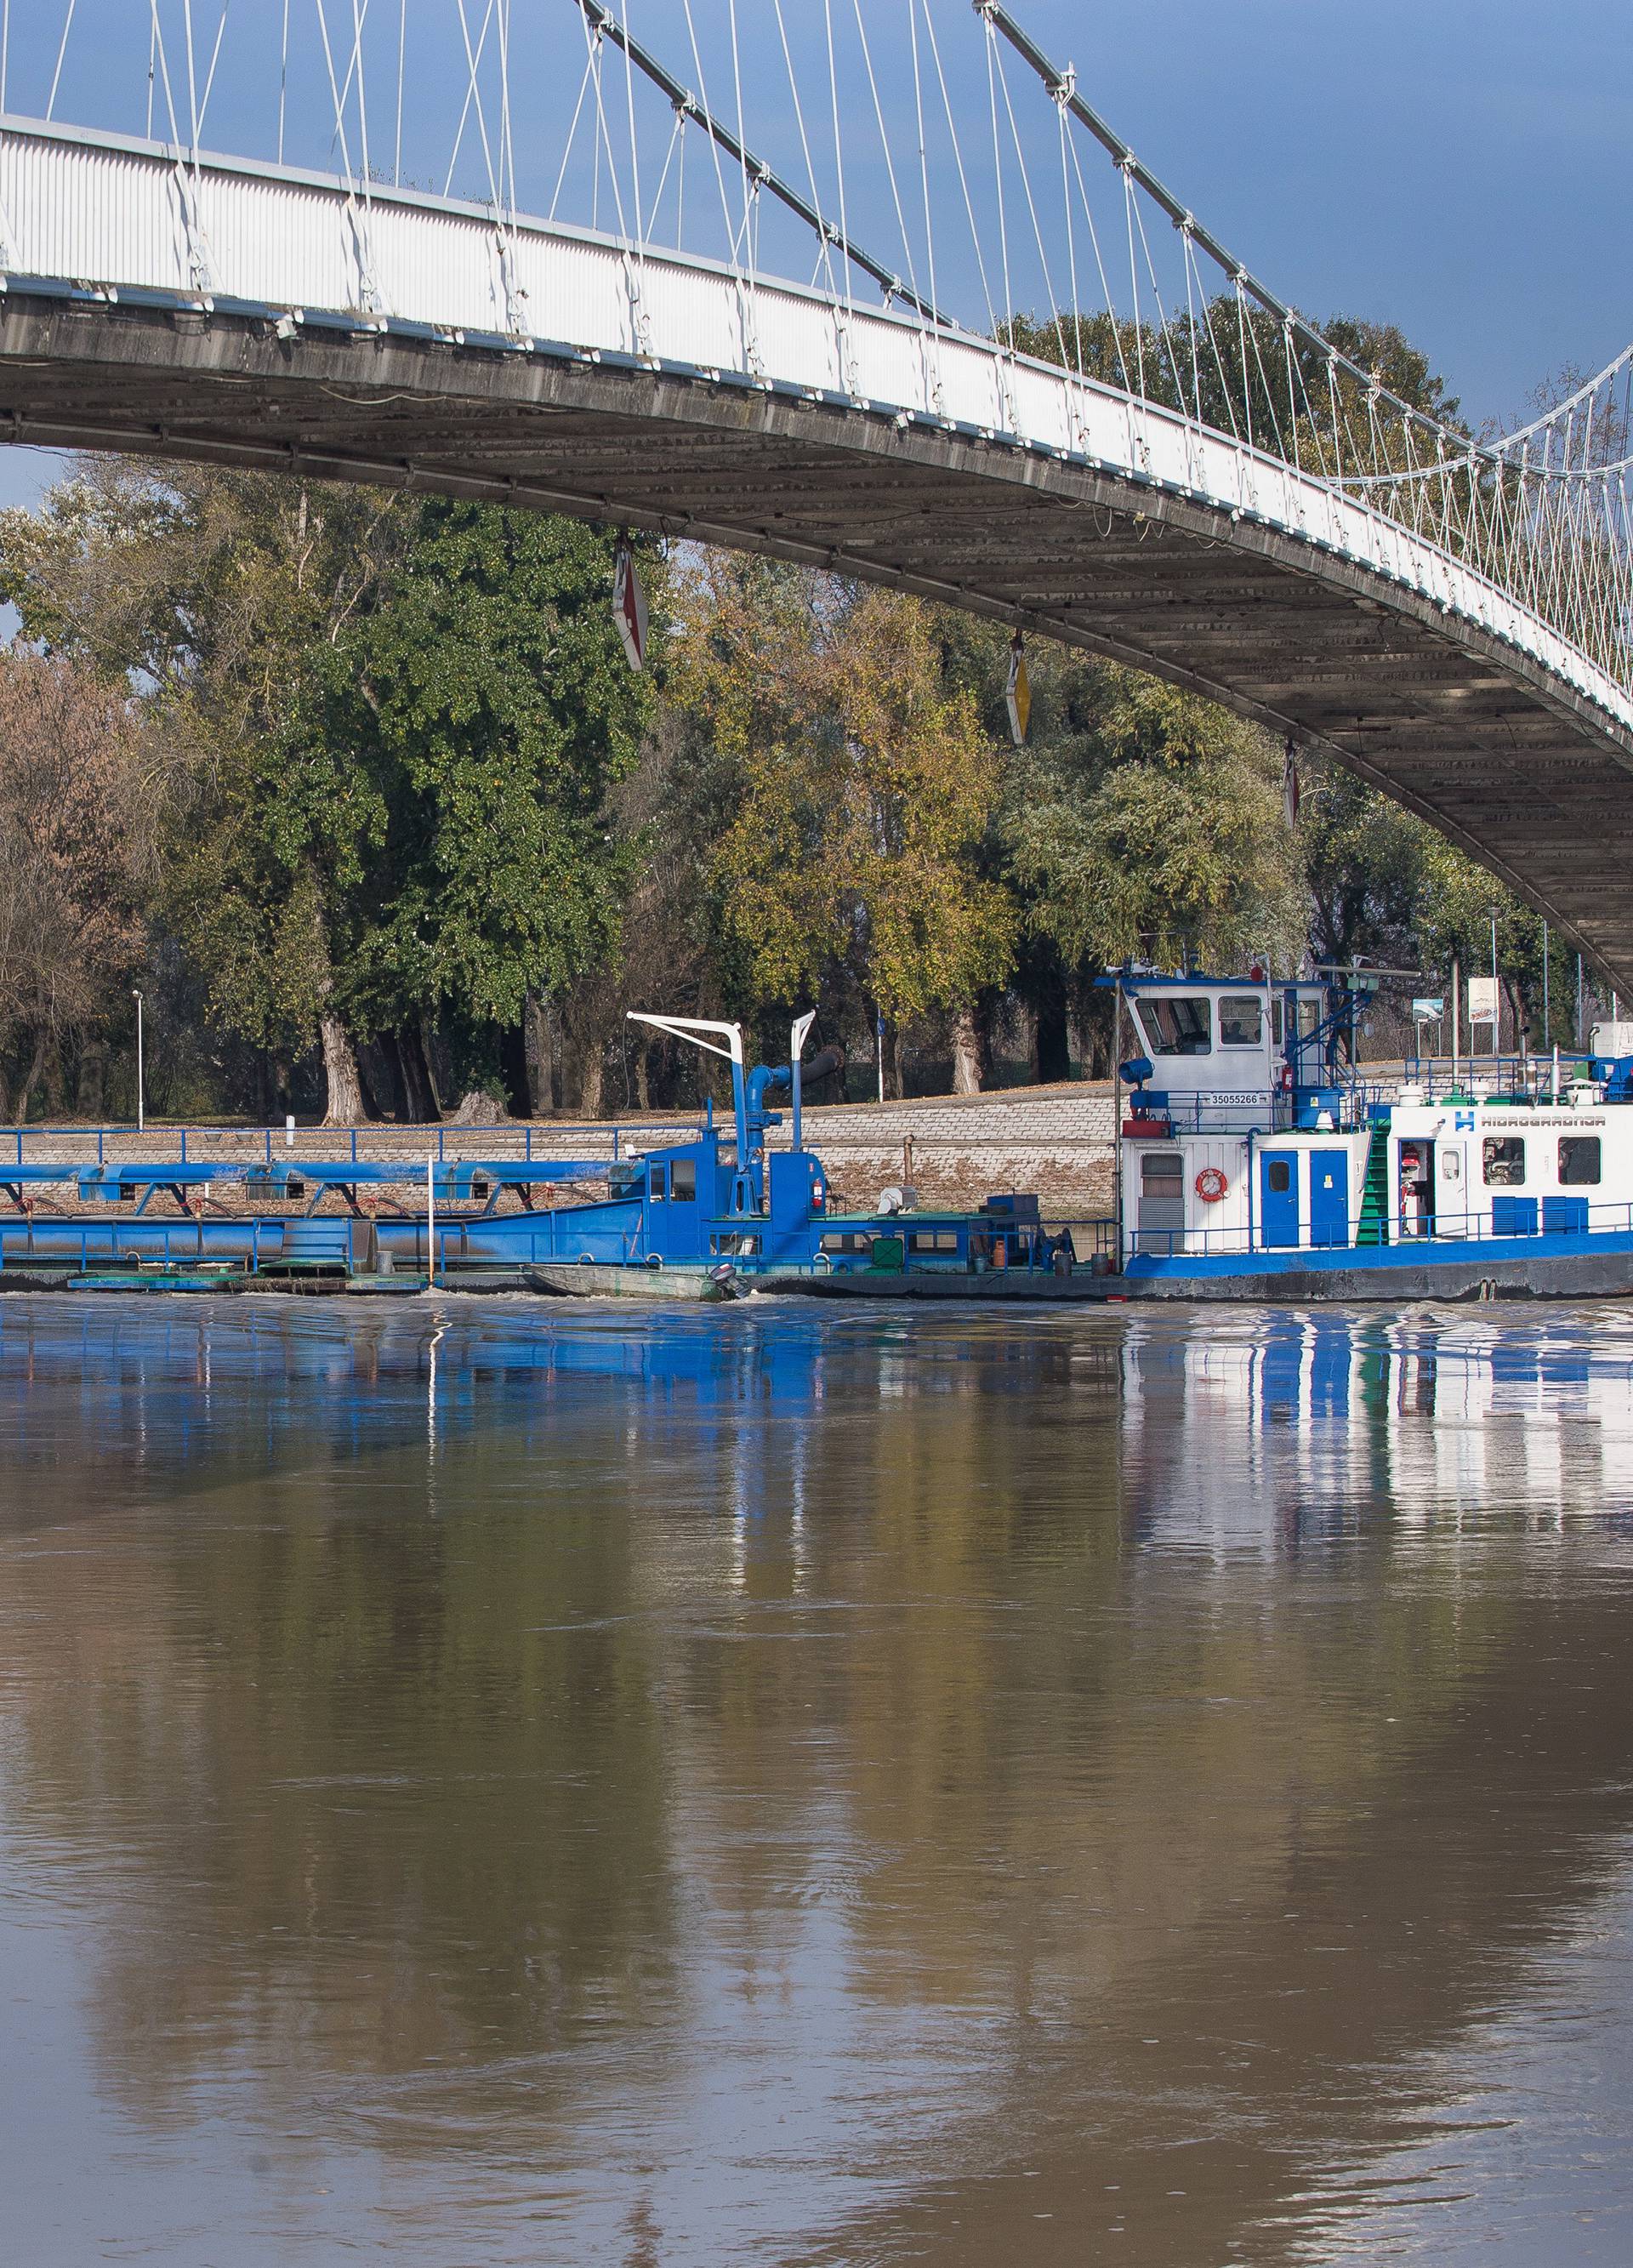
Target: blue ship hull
x=1572 y=1267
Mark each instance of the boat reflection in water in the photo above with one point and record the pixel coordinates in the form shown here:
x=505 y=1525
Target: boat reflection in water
x=536 y=1782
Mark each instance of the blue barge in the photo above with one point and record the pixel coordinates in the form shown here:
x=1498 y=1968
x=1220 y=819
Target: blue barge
x=710 y=1215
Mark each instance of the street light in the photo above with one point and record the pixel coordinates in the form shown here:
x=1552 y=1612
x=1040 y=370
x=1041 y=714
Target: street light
x=141 y=1122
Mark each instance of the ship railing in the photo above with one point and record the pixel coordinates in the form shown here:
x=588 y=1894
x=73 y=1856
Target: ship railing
x=1481 y=1078
x=120 y=1244
x=1079 y=1238
x=1552 y=1212
x=273 y=1147
x=1270 y=1113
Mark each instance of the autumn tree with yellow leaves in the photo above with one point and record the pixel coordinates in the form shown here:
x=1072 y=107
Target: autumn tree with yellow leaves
x=865 y=789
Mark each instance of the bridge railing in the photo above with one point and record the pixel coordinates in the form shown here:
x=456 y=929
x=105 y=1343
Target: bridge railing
x=1152 y=347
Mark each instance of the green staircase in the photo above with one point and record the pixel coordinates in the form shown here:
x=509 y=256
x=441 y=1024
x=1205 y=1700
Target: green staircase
x=1373 y=1225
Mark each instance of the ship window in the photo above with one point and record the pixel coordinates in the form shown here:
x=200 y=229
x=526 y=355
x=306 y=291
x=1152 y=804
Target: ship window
x=1158 y=1165
x=683 y=1181
x=1578 y=1161
x=1279 y=1177
x=657 y=1184
x=1241 y=1020
x=1504 y=1161
x=1176 y=1026
x=1276 y=1022
x=933 y=1240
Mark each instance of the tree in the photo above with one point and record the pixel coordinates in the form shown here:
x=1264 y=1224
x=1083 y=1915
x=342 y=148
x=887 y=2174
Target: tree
x=387 y=731
x=481 y=707
x=863 y=787
x=1156 y=833
x=1365 y=860
x=210 y=594
x=72 y=854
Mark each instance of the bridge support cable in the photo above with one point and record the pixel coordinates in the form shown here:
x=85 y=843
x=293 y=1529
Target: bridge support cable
x=1185 y=374
x=756 y=168
x=1555 y=524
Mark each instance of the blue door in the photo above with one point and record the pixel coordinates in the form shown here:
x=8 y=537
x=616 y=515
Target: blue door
x=1329 y=1196
x=1278 y=1197
x=674 y=1215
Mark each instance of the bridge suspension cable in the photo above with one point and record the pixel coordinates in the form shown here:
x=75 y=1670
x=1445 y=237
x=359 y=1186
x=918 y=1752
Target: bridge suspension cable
x=1034 y=225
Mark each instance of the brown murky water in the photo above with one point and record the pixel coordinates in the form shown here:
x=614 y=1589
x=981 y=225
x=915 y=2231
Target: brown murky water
x=521 y=1783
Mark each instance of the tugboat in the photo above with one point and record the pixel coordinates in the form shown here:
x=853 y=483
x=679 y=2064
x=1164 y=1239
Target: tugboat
x=1257 y=1160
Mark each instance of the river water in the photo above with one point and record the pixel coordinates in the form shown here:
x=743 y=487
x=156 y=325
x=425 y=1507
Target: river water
x=521 y=1782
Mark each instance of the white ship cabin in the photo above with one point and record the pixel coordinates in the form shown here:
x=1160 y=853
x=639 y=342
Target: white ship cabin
x=1208 y=1052
x=1246 y=1128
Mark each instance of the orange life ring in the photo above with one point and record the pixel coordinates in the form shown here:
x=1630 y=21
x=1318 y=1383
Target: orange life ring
x=1212 y=1185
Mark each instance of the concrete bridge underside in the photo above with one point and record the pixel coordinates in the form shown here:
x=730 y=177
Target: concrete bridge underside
x=1501 y=755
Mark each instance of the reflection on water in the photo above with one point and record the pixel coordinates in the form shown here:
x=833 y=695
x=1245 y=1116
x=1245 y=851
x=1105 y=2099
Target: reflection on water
x=528 y=1783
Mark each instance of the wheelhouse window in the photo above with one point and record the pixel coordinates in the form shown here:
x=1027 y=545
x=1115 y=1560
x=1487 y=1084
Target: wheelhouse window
x=1578 y=1161
x=1241 y=1020
x=1176 y=1025
x=657 y=1184
x=1504 y=1161
x=1161 y=1172
x=683 y=1181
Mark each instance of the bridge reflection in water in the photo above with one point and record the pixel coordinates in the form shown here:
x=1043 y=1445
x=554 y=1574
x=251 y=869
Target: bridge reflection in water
x=525 y=1783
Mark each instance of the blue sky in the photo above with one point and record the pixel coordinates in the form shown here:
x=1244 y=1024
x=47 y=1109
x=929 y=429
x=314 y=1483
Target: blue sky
x=1458 y=170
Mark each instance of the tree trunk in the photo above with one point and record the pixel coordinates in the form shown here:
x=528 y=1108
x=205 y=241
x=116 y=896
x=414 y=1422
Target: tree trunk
x=419 y=1098
x=36 y=1064
x=592 y=1079
x=513 y=1067
x=1051 y=1060
x=91 y=1099
x=56 y=1088
x=1095 y=1036
x=643 y=1088
x=340 y=1070
x=439 y=1067
x=376 y=1066
x=969 y=1051
x=541 y=1056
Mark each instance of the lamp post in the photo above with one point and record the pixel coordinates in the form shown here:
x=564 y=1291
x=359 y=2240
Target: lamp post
x=141 y=1114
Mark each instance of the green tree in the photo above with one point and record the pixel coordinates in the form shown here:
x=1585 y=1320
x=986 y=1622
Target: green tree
x=213 y=595
x=482 y=709
x=1158 y=835
x=387 y=735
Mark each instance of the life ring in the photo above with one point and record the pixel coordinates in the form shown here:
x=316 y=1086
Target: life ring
x=1212 y=1185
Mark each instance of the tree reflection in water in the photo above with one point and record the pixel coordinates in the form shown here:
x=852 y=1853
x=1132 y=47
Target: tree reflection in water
x=790 y=1784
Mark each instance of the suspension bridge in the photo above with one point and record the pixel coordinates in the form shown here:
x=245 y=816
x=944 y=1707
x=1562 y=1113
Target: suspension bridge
x=872 y=288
